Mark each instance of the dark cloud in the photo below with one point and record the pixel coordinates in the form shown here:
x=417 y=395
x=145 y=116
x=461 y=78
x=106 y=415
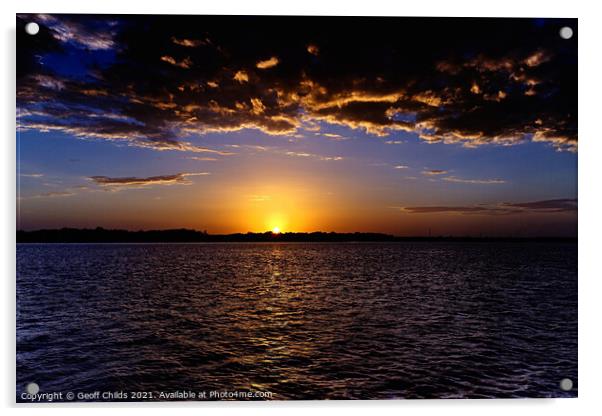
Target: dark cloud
x=506 y=208
x=552 y=205
x=30 y=49
x=85 y=32
x=176 y=76
x=452 y=209
x=178 y=178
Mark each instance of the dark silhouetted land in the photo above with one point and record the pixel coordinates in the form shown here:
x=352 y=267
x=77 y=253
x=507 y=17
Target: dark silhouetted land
x=101 y=235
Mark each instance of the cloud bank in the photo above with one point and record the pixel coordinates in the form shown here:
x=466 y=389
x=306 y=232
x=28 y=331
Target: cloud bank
x=169 y=78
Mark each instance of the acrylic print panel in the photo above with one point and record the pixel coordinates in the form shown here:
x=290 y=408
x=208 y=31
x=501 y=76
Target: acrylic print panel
x=278 y=208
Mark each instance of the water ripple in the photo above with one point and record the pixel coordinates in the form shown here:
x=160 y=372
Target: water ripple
x=304 y=321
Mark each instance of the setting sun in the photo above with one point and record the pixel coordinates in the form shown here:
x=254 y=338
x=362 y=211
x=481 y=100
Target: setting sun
x=276 y=230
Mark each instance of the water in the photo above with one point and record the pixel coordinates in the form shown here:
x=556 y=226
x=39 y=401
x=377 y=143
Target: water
x=301 y=321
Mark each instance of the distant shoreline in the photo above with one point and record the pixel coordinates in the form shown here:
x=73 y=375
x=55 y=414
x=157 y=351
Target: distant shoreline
x=101 y=235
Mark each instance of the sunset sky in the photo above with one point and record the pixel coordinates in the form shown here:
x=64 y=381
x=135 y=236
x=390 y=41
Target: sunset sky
x=234 y=124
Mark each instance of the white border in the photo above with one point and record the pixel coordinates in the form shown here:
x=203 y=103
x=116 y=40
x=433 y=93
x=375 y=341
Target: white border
x=590 y=147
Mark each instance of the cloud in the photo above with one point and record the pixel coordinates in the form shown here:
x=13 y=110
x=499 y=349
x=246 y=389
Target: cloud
x=186 y=63
x=434 y=172
x=56 y=194
x=83 y=32
x=313 y=49
x=473 y=181
x=241 y=76
x=313 y=156
x=551 y=205
x=204 y=159
x=259 y=198
x=299 y=154
x=447 y=209
x=283 y=151
x=107 y=127
x=505 y=208
x=190 y=43
x=178 y=178
x=176 y=77
x=332 y=136
x=32 y=175
x=401 y=167
x=268 y=63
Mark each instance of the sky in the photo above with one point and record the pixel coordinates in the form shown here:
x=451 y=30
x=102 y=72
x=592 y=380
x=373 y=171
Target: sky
x=407 y=126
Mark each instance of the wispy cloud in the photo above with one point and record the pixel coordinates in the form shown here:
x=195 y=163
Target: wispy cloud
x=332 y=136
x=473 y=181
x=299 y=154
x=204 y=159
x=446 y=209
x=32 y=175
x=130 y=181
x=70 y=30
x=55 y=194
x=259 y=198
x=251 y=147
x=111 y=129
x=505 y=208
x=313 y=156
x=434 y=172
x=550 y=205
x=276 y=150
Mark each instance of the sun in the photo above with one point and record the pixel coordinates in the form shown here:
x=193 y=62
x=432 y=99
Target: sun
x=276 y=230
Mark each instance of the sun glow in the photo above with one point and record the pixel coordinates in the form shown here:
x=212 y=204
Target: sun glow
x=276 y=230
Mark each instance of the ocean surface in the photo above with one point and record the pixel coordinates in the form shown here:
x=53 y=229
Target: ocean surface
x=298 y=320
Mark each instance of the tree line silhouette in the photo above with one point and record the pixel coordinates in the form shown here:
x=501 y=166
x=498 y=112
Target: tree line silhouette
x=102 y=235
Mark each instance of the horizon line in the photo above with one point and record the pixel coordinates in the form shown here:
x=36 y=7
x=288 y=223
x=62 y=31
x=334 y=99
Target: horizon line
x=296 y=233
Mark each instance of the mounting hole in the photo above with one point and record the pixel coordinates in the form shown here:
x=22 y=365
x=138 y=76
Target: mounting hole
x=566 y=32
x=32 y=28
x=566 y=384
x=32 y=388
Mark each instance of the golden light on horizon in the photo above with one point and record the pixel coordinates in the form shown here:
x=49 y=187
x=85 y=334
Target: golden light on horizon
x=266 y=200
x=276 y=220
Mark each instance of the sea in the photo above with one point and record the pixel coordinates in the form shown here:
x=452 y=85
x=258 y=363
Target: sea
x=296 y=321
